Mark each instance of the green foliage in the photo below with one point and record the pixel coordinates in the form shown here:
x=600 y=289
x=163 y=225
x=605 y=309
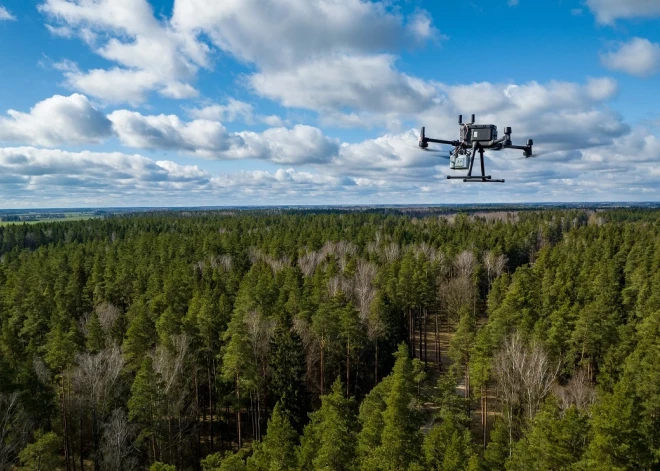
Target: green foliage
x=618 y=440
x=401 y=439
x=158 y=466
x=144 y=403
x=448 y=446
x=276 y=452
x=229 y=462
x=95 y=340
x=557 y=440
x=224 y=314
x=498 y=449
x=42 y=454
x=328 y=442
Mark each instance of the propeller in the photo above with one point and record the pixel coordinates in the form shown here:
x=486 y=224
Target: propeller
x=437 y=151
x=534 y=155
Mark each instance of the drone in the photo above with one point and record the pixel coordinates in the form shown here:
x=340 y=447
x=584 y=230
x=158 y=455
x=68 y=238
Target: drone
x=475 y=138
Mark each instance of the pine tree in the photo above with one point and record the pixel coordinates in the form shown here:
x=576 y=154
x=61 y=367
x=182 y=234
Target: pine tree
x=95 y=336
x=371 y=421
x=140 y=336
x=42 y=454
x=276 y=452
x=287 y=365
x=144 y=404
x=401 y=440
x=328 y=442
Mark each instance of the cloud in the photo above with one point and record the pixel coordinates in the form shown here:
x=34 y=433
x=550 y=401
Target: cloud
x=304 y=30
x=384 y=170
x=56 y=120
x=420 y=27
x=56 y=178
x=300 y=145
x=367 y=83
x=149 y=54
x=209 y=139
x=169 y=132
x=166 y=54
x=234 y=110
x=608 y=11
x=5 y=15
x=639 y=57
x=114 y=85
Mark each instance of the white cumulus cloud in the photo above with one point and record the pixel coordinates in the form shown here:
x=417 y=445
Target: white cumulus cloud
x=639 y=57
x=56 y=120
x=608 y=11
x=5 y=15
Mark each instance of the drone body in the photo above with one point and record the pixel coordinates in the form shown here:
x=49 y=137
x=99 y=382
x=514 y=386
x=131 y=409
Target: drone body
x=475 y=138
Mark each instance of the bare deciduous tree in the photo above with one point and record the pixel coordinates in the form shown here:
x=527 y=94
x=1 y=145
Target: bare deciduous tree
x=14 y=430
x=525 y=373
x=116 y=446
x=260 y=332
x=365 y=273
x=465 y=263
x=108 y=315
x=93 y=381
x=392 y=252
x=525 y=376
x=456 y=293
x=308 y=262
x=579 y=391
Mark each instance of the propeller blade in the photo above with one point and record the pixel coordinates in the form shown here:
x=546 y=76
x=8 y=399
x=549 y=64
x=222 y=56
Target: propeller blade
x=445 y=153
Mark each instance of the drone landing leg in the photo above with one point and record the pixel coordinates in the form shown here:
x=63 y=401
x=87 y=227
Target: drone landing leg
x=483 y=178
x=481 y=155
x=474 y=153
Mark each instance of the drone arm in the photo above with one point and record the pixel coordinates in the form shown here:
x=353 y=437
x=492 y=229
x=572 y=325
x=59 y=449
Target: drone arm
x=441 y=141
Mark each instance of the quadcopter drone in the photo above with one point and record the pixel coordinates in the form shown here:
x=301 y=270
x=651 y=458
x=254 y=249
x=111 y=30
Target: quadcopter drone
x=475 y=138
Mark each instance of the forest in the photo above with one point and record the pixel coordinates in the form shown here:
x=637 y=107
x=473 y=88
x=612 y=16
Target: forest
x=307 y=340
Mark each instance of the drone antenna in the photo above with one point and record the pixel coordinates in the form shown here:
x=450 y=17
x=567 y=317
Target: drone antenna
x=473 y=119
x=460 y=119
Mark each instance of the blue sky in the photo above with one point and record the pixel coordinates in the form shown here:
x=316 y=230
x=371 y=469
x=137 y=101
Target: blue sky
x=199 y=102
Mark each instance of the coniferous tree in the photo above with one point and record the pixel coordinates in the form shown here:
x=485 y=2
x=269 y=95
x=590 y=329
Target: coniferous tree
x=400 y=440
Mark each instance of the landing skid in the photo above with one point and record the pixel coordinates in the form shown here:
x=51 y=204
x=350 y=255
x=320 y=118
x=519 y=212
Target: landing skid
x=478 y=179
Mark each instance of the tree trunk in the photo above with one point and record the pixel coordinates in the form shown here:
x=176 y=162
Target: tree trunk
x=64 y=425
x=198 y=451
x=80 y=433
x=322 y=367
x=437 y=342
x=484 y=414
x=238 y=414
x=95 y=438
x=210 y=403
x=348 y=369
x=426 y=340
x=376 y=365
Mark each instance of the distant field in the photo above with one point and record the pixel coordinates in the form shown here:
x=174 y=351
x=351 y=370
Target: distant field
x=31 y=219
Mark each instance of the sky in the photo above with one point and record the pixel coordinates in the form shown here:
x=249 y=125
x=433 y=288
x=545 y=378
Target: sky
x=107 y=103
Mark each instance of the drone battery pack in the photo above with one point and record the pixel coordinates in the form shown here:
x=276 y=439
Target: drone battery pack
x=483 y=132
x=459 y=162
